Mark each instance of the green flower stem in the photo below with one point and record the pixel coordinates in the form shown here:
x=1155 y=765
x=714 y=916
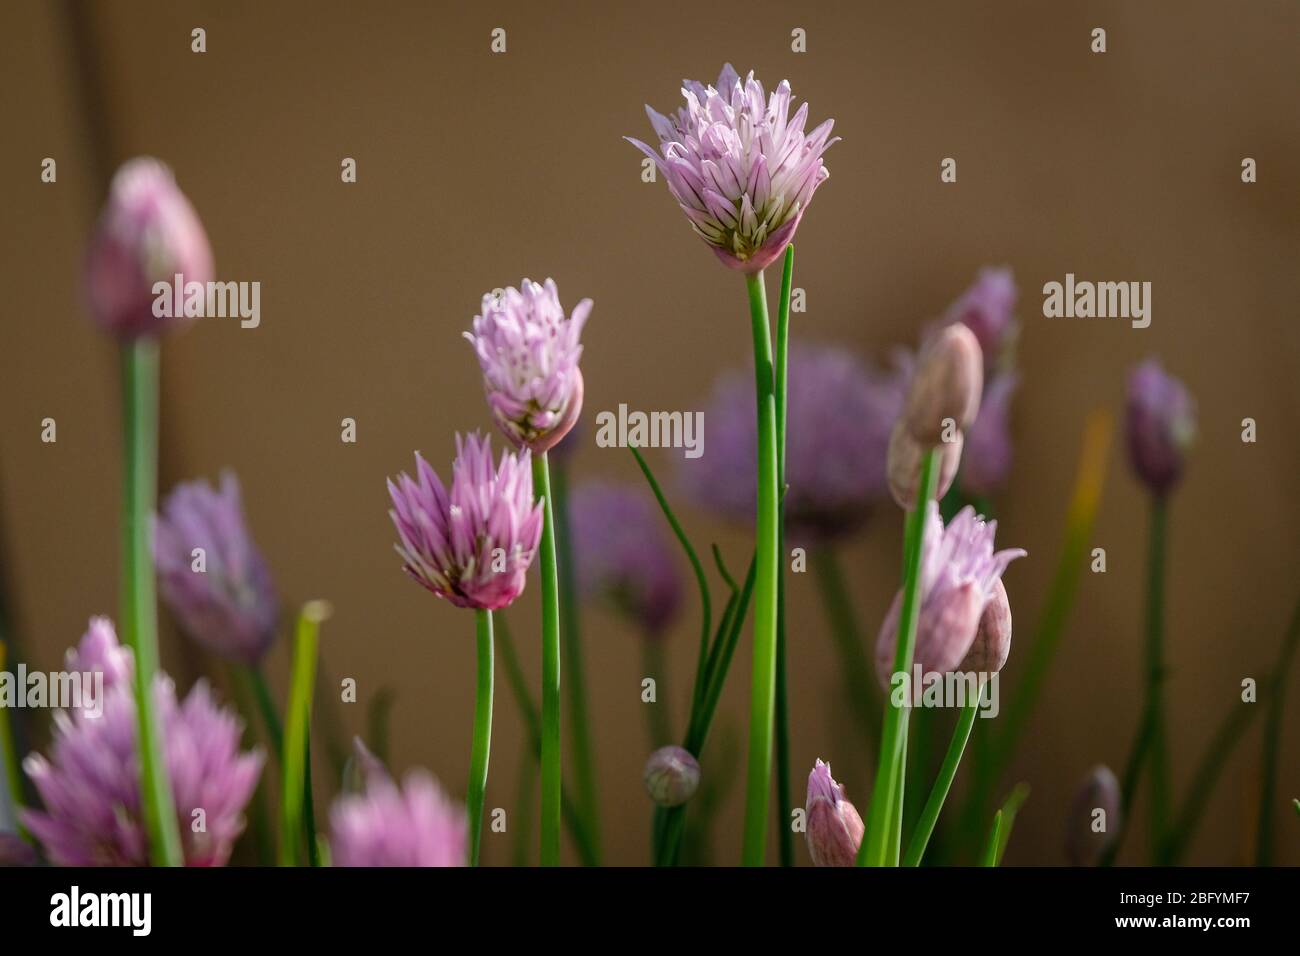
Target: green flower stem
x=139 y=603
x=266 y=707
x=885 y=817
x=309 y=804
x=658 y=719
x=1014 y=802
x=786 y=834
x=293 y=805
x=482 y=746
x=859 y=682
x=552 y=780
x=990 y=855
x=525 y=805
x=1155 y=680
x=575 y=681
x=533 y=724
x=1272 y=742
x=947 y=771
x=706 y=603
x=9 y=754
x=762 y=692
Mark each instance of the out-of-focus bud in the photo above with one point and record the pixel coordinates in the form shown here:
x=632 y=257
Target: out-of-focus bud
x=147 y=233
x=1161 y=426
x=671 y=776
x=948 y=382
x=1094 y=820
x=903 y=465
x=992 y=645
x=987 y=455
x=362 y=768
x=834 y=828
x=987 y=308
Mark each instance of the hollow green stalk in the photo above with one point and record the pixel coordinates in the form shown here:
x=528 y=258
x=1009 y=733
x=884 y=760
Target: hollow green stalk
x=942 y=784
x=885 y=817
x=293 y=805
x=139 y=603
x=552 y=781
x=762 y=692
x=786 y=834
x=482 y=745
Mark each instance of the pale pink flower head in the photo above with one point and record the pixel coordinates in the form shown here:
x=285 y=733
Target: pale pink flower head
x=90 y=783
x=740 y=166
x=834 y=828
x=529 y=351
x=414 y=824
x=473 y=543
x=147 y=233
x=960 y=573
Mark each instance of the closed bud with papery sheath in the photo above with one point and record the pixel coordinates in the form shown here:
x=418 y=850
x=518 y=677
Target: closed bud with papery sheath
x=210 y=572
x=903 y=464
x=671 y=776
x=960 y=577
x=147 y=233
x=992 y=645
x=1094 y=820
x=834 y=828
x=740 y=166
x=528 y=350
x=1161 y=426
x=945 y=390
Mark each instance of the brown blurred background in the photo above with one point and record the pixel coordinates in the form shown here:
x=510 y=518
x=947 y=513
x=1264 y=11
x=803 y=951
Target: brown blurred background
x=477 y=169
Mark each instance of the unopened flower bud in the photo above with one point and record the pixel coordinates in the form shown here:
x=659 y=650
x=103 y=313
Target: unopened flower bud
x=945 y=629
x=947 y=385
x=1094 y=820
x=671 y=776
x=148 y=233
x=1161 y=426
x=903 y=465
x=992 y=645
x=834 y=828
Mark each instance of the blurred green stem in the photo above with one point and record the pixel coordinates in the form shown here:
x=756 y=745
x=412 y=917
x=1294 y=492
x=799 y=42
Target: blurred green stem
x=939 y=793
x=1155 y=680
x=552 y=779
x=293 y=806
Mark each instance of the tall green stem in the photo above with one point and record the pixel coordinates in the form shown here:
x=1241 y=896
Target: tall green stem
x=786 y=834
x=482 y=745
x=294 y=796
x=1155 y=667
x=885 y=817
x=575 y=682
x=139 y=604
x=551 y=773
x=947 y=771
x=762 y=691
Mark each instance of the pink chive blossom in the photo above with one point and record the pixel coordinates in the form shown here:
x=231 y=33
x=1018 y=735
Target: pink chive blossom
x=529 y=351
x=834 y=828
x=473 y=543
x=414 y=824
x=229 y=606
x=622 y=553
x=147 y=233
x=960 y=572
x=90 y=782
x=740 y=166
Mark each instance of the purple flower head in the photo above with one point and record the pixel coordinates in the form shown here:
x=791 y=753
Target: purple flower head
x=960 y=572
x=1161 y=426
x=414 y=824
x=987 y=455
x=529 y=354
x=834 y=828
x=147 y=233
x=99 y=652
x=742 y=169
x=987 y=308
x=840 y=412
x=90 y=783
x=1093 y=823
x=622 y=553
x=223 y=598
x=471 y=544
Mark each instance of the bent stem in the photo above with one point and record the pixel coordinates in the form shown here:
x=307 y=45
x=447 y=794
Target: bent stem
x=885 y=817
x=762 y=692
x=943 y=783
x=551 y=779
x=482 y=745
x=139 y=603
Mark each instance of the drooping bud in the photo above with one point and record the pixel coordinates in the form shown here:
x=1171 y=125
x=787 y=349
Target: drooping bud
x=1161 y=426
x=671 y=776
x=903 y=464
x=834 y=828
x=946 y=388
x=1094 y=820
